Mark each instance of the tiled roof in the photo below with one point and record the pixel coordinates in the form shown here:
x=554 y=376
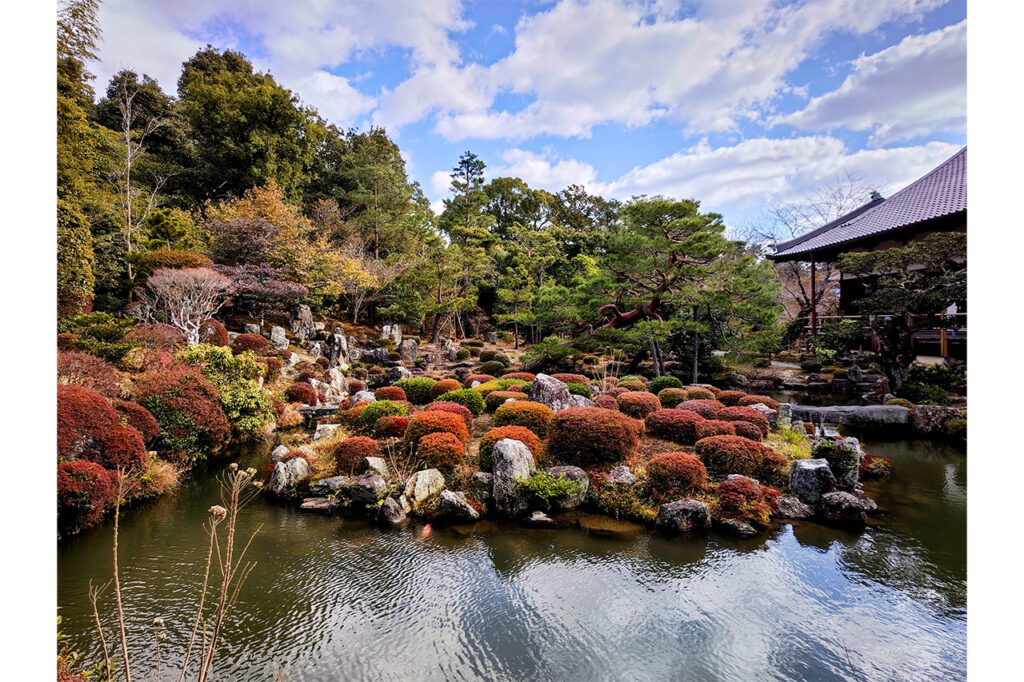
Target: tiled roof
x=941 y=192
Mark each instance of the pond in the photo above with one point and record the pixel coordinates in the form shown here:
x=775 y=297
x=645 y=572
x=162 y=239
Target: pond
x=338 y=599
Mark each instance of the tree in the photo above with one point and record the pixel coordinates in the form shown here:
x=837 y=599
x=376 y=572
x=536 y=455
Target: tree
x=463 y=218
x=259 y=289
x=189 y=297
x=381 y=191
x=74 y=260
x=78 y=32
x=905 y=290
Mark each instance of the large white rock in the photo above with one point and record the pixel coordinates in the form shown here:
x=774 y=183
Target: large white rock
x=278 y=338
x=325 y=431
x=513 y=462
x=285 y=478
x=552 y=392
x=420 y=486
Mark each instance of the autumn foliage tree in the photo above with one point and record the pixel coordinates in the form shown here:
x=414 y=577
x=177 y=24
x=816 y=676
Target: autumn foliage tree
x=188 y=297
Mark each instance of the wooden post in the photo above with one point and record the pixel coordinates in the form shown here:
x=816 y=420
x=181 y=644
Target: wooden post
x=814 y=300
x=943 y=338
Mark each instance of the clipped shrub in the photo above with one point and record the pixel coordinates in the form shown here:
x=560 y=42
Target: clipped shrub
x=159 y=337
x=705 y=408
x=78 y=368
x=638 y=404
x=245 y=403
x=923 y=394
x=381 y=408
x=493 y=367
x=462 y=354
x=534 y=416
x=490 y=355
x=355 y=385
x=441 y=450
x=672 y=475
x=570 y=378
x=671 y=397
x=717 y=427
x=674 y=425
x=474 y=352
x=300 y=392
x=580 y=389
x=606 y=402
x=482 y=378
x=417 y=389
x=519 y=433
x=89 y=428
x=956 y=428
x=444 y=386
x=745 y=414
x=658 y=384
x=746 y=499
x=631 y=386
x=724 y=455
x=187 y=407
x=252 y=342
x=350 y=453
x=473 y=343
x=435 y=421
x=749 y=400
x=585 y=436
x=522 y=376
x=389 y=393
x=390 y=427
x=699 y=393
x=499 y=385
x=139 y=418
x=471 y=399
x=84 y=491
x=634 y=377
x=616 y=391
x=453 y=408
x=273 y=369
x=746 y=430
x=811 y=366
x=495 y=399
x=213 y=333
x=730 y=398
x=902 y=402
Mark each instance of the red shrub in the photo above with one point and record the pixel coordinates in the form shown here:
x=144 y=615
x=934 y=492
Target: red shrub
x=592 y=435
x=354 y=386
x=454 y=408
x=435 y=421
x=809 y=427
x=350 y=453
x=638 y=404
x=571 y=379
x=519 y=433
x=523 y=376
x=674 y=425
x=705 y=408
x=213 y=333
x=714 y=427
x=322 y=362
x=273 y=368
x=88 y=428
x=730 y=397
x=534 y=416
x=84 y=490
x=632 y=385
x=444 y=386
x=391 y=427
x=139 y=418
x=746 y=414
x=185 y=405
x=300 y=392
x=743 y=498
x=725 y=455
x=672 y=475
x=482 y=378
x=748 y=400
x=671 y=397
x=607 y=402
x=441 y=450
x=389 y=393
x=161 y=337
x=67 y=341
x=496 y=399
x=254 y=342
x=616 y=391
x=747 y=430
x=77 y=368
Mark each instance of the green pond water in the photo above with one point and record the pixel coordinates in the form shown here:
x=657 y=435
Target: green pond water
x=335 y=599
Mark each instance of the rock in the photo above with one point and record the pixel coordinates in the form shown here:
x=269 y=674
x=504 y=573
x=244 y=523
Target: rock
x=397 y=373
x=279 y=452
x=278 y=337
x=302 y=326
x=328 y=486
x=482 y=487
x=792 y=508
x=364 y=489
x=770 y=414
x=539 y=519
x=325 y=431
x=736 y=527
x=337 y=380
x=319 y=505
x=846 y=509
x=809 y=479
x=580 y=401
x=741 y=477
x=449 y=351
x=855 y=373
x=337 y=349
x=605 y=526
x=409 y=350
x=848 y=473
x=251 y=328
x=286 y=476
x=513 y=462
x=785 y=418
x=930 y=420
x=552 y=392
x=491 y=337
x=621 y=475
x=454 y=508
x=682 y=516
x=569 y=502
x=377 y=465
x=390 y=513
x=291 y=359
x=420 y=486
x=393 y=332
x=853 y=415
x=363 y=396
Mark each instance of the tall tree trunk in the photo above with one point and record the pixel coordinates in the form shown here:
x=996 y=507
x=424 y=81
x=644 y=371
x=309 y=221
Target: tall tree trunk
x=696 y=356
x=654 y=356
x=376 y=221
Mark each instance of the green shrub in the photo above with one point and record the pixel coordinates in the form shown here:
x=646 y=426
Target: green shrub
x=659 y=383
x=949 y=376
x=417 y=389
x=245 y=403
x=923 y=394
x=490 y=355
x=545 y=487
x=956 y=428
x=474 y=352
x=812 y=366
x=902 y=402
x=100 y=334
x=467 y=397
x=492 y=367
x=381 y=408
x=462 y=354
x=580 y=389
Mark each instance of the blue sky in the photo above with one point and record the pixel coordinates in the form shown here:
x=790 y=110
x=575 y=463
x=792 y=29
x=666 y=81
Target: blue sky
x=742 y=104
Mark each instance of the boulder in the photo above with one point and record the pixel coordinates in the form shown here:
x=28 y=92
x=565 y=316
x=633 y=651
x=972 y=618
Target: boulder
x=319 y=505
x=580 y=401
x=491 y=337
x=251 y=328
x=279 y=452
x=853 y=415
x=453 y=508
x=328 y=486
x=337 y=380
x=302 y=325
x=930 y=420
x=393 y=374
x=855 y=373
x=792 y=508
x=621 y=475
x=539 y=519
x=377 y=465
x=420 y=486
x=809 y=479
x=325 y=431
x=337 y=349
x=409 y=350
x=569 y=502
x=552 y=392
x=737 y=527
x=364 y=489
x=278 y=337
x=290 y=359
x=393 y=332
x=847 y=473
x=374 y=356
x=682 y=516
x=390 y=513
x=846 y=509
x=513 y=462
x=770 y=414
x=785 y=417
x=449 y=351
x=286 y=477
x=363 y=396
x=482 y=487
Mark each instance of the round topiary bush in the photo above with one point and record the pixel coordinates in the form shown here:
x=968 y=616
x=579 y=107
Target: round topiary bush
x=454 y=408
x=444 y=386
x=519 y=433
x=705 y=408
x=390 y=427
x=730 y=398
x=671 y=397
x=139 y=418
x=381 y=408
x=462 y=354
x=658 y=384
x=349 y=455
x=584 y=436
x=699 y=393
x=634 y=377
x=902 y=402
x=534 y=416
x=746 y=430
x=674 y=425
x=435 y=421
x=672 y=475
x=441 y=450
x=273 y=370
x=479 y=378
x=490 y=355
x=745 y=414
x=355 y=385
x=78 y=368
x=724 y=455
x=580 y=389
x=748 y=400
x=570 y=378
x=213 y=333
x=493 y=367
x=521 y=376
x=471 y=399
x=616 y=391
x=716 y=427
x=89 y=428
x=252 y=342
x=743 y=498
x=811 y=366
x=389 y=393
x=631 y=386
x=606 y=402
x=185 y=404
x=417 y=389
x=300 y=392
x=638 y=404
x=496 y=399
x=84 y=491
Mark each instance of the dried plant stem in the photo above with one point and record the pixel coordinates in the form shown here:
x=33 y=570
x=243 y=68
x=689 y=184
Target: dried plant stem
x=94 y=596
x=117 y=581
x=202 y=598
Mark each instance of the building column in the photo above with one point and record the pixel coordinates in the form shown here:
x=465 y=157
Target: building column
x=814 y=300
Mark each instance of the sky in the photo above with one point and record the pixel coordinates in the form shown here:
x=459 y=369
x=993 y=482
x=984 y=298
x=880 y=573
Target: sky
x=741 y=104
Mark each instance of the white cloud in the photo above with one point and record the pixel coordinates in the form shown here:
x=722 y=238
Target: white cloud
x=540 y=171
x=338 y=100
x=916 y=87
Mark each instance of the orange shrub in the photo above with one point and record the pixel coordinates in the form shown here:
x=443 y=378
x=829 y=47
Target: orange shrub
x=743 y=498
x=454 y=408
x=607 y=402
x=747 y=430
x=674 y=425
x=746 y=414
x=435 y=421
x=441 y=450
x=390 y=427
x=638 y=404
x=389 y=393
x=524 y=376
x=632 y=385
x=482 y=378
x=748 y=400
x=671 y=397
x=496 y=399
x=350 y=453
x=444 y=386
x=534 y=416
x=715 y=427
x=730 y=398
x=571 y=379
x=724 y=455
x=671 y=475
x=591 y=435
x=254 y=342
x=519 y=433
x=699 y=393
x=705 y=408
